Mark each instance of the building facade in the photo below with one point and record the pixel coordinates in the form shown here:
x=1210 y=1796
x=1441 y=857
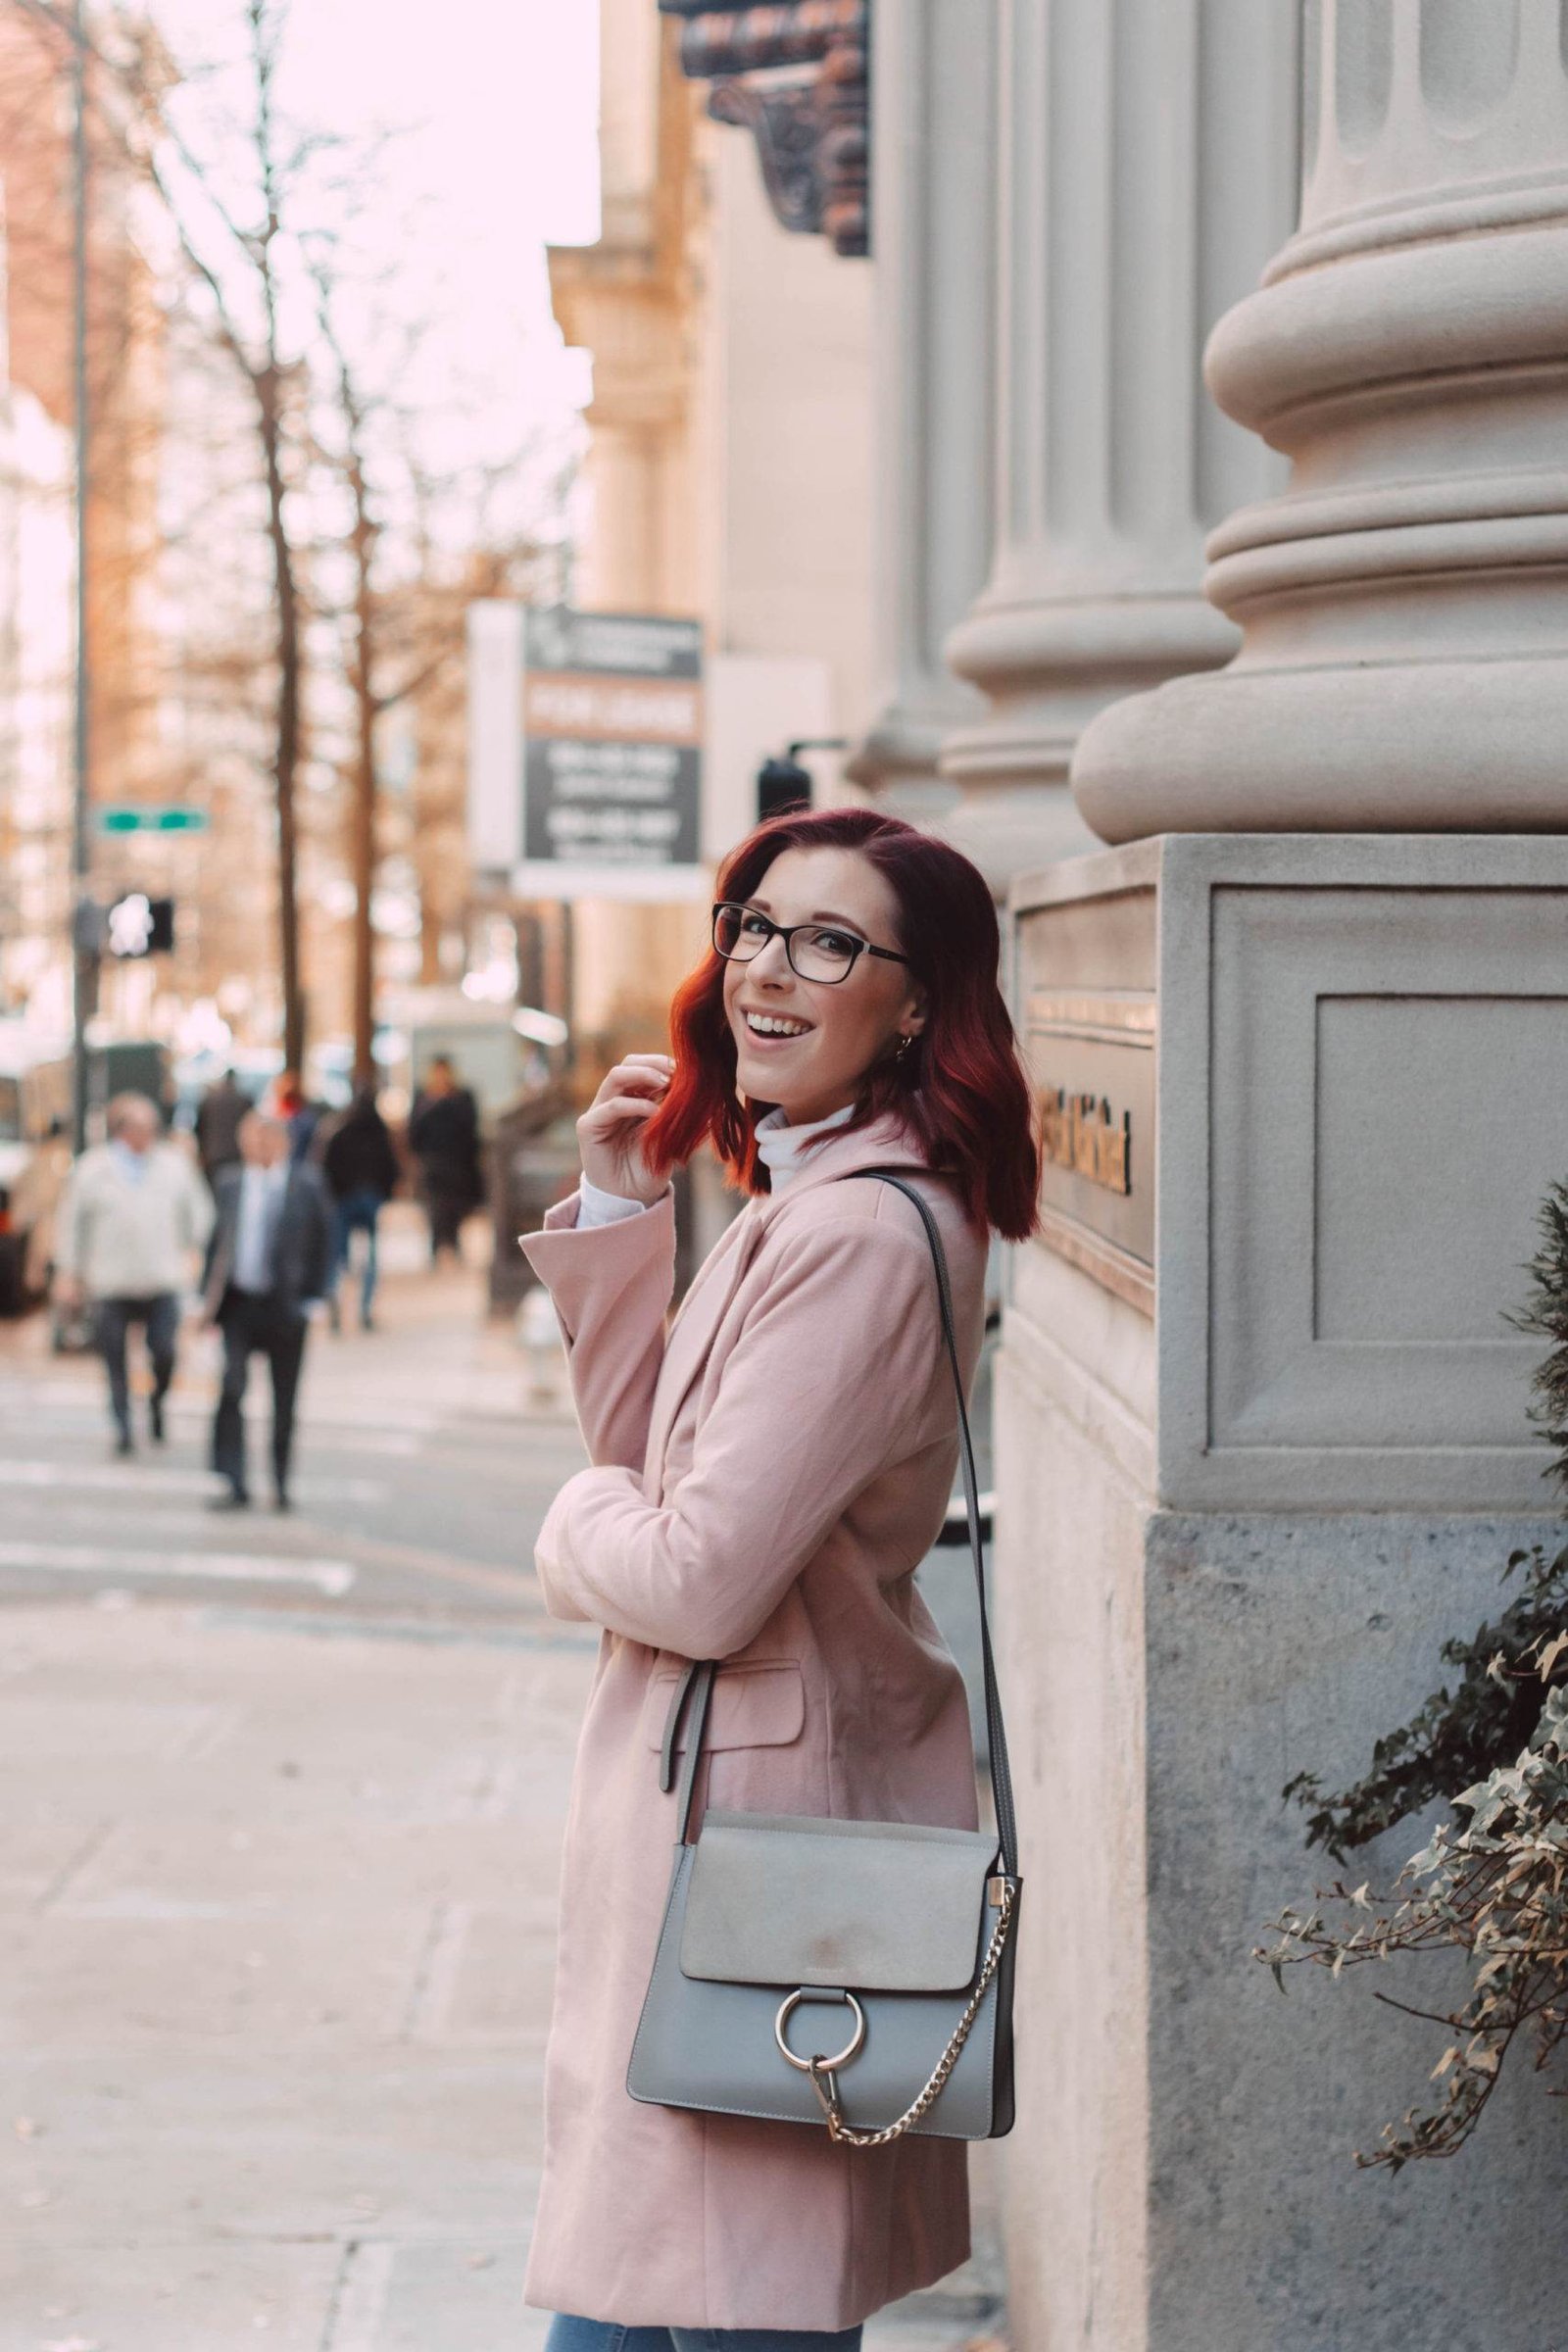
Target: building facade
x=727 y=473
x=174 y=614
x=1289 y=628
x=122 y=369
x=37 y=570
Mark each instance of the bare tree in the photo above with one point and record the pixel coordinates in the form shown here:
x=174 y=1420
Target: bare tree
x=405 y=634
x=245 y=281
x=360 y=665
x=265 y=216
x=262 y=361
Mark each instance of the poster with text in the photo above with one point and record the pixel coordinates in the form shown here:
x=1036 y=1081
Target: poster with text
x=613 y=731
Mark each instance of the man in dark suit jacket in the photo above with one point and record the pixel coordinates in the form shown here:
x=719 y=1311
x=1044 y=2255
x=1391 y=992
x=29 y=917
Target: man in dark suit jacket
x=218 y=1124
x=267 y=1264
x=444 y=1138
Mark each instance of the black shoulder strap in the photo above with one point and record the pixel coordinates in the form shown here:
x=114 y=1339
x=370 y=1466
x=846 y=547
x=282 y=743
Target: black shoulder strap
x=697 y=1685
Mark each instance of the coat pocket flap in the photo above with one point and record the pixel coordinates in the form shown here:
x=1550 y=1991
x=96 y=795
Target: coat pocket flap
x=752 y=1706
x=870 y=1905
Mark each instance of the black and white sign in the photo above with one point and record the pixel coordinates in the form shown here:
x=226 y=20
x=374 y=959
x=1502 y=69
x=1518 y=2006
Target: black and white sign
x=585 y=752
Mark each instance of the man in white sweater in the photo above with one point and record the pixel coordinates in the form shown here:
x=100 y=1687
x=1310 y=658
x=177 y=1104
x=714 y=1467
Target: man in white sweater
x=134 y=1213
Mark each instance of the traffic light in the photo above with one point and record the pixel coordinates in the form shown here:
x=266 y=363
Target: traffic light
x=137 y=925
x=782 y=784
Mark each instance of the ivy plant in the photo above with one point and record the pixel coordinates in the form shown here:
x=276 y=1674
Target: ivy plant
x=1458 y=1736
x=1493 y=1886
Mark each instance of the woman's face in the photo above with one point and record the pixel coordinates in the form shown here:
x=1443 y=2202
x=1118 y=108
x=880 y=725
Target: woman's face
x=819 y=1039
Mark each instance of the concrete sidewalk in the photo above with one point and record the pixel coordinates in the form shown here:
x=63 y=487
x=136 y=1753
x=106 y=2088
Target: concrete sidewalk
x=277 y=1894
x=280 y=1915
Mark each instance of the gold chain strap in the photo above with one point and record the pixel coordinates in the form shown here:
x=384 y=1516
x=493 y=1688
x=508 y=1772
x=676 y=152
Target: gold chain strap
x=826 y=2086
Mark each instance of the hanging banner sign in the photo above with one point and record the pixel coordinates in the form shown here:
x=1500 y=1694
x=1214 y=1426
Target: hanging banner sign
x=585 y=752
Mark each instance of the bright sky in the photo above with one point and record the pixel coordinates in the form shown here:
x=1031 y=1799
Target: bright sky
x=496 y=101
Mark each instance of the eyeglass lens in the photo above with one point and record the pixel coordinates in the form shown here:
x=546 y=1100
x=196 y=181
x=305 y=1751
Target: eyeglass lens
x=815 y=953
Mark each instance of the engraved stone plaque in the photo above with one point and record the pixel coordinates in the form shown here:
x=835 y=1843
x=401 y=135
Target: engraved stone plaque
x=1084 y=1006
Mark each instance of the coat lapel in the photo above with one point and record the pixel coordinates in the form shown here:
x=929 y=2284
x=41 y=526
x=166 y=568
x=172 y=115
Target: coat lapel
x=885 y=1143
x=221 y=1250
x=696 y=1323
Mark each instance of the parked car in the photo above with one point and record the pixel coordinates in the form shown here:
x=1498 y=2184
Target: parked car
x=35 y=1077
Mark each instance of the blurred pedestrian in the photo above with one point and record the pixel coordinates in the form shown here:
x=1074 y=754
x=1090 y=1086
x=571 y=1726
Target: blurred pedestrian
x=361 y=1165
x=218 y=1119
x=444 y=1138
x=133 y=1216
x=267 y=1273
x=299 y=1114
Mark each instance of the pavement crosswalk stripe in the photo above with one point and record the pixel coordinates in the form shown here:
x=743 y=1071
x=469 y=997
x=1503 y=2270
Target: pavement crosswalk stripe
x=371 y=1413
x=404 y=1443
x=141 y=1479
x=331 y=1576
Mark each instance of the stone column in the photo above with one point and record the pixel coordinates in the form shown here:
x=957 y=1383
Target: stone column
x=1147 y=160
x=1404 y=601
x=1263 y=1440
x=934 y=65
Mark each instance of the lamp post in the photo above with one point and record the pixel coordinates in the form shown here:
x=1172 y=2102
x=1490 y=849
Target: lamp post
x=84 y=945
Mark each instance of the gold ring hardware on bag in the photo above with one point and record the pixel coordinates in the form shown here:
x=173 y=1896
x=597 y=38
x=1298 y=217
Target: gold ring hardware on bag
x=820 y=2069
x=808 y=2066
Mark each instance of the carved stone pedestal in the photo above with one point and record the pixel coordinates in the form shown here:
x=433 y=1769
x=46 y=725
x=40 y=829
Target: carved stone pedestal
x=1261 y=1447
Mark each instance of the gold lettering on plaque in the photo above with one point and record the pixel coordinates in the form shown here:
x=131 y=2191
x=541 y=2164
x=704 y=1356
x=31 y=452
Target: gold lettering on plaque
x=1081 y=1132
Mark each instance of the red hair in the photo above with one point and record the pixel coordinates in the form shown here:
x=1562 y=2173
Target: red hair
x=961 y=1090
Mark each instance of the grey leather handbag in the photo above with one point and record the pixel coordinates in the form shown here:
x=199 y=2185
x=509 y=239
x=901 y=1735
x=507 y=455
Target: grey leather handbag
x=852 y=1973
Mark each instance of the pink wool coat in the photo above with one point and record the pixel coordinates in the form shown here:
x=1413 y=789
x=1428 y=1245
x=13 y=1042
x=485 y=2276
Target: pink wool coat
x=768 y=1476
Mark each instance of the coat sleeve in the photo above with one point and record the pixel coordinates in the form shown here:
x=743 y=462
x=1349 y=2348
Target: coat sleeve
x=219 y=1238
x=198 y=1207
x=319 y=1252
x=821 y=1389
x=387 y=1170
x=612 y=1287
x=70 y=1224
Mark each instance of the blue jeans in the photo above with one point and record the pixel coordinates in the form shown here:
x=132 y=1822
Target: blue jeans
x=606 y=2336
x=158 y=1316
x=356 y=1213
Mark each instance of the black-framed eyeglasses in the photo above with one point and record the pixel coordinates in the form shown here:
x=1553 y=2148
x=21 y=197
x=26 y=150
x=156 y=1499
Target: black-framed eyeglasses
x=821 y=952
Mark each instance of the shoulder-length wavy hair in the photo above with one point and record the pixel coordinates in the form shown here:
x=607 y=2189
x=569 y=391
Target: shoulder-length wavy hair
x=961 y=1090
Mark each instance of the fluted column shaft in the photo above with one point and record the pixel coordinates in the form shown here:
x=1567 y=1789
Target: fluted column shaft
x=1404 y=602
x=934 y=65
x=1146 y=159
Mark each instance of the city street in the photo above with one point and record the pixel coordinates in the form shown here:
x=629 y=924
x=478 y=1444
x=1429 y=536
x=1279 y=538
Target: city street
x=278 y=1856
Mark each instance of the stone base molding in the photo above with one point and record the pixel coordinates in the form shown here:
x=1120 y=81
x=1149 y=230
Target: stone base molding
x=1261 y=1443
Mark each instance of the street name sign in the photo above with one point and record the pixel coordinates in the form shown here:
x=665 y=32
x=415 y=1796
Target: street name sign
x=137 y=818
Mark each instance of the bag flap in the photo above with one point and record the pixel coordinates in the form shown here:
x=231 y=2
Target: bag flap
x=880 y=1906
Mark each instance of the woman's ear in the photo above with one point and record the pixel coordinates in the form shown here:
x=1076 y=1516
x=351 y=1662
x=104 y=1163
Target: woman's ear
x=914 y=1013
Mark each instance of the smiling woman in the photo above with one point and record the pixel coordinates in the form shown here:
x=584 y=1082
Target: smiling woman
x=768 y=1473
x=884 y=1000
x=797 y=1045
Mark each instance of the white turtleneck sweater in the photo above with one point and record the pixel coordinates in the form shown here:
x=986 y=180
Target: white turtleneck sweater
x=779 y=1146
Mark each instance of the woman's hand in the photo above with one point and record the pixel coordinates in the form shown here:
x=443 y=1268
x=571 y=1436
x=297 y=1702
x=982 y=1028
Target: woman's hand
x=610 y=1131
